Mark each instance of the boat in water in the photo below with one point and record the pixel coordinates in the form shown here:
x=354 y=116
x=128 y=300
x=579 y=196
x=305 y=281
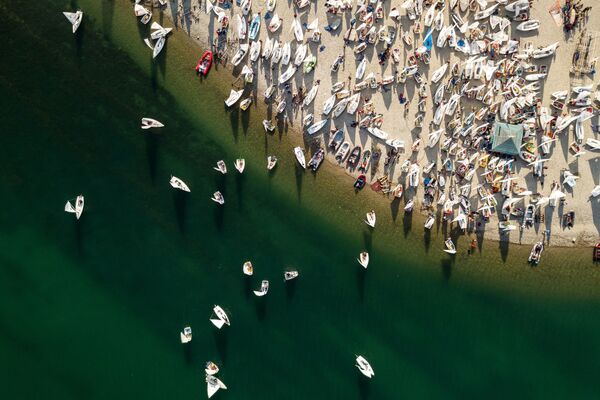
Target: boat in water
x=74 y=18
x=220 y=317
x=371 y=219
x=264 y=289
x=268 y=125
x=234 y=96
x=210 y=368
x=186 y=335
x=289 y=275
x=271 y=162
x=204 y=63
x=221 y=167
x=217 y=197
x=213 y=384
x=363 y=259
x=76 y=209
x=299 y=153
x=179 y=184
x=450 y=248
x=247 y=268
x=240 y=164
x=317 y=159
x=148 y=123
x=536 y=253
x=364 y=367
x=429 y=221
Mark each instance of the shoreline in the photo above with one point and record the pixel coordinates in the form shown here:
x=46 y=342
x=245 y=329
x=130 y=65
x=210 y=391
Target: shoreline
x=199 y=30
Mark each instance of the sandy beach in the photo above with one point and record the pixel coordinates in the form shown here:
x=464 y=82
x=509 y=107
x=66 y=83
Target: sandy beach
x=399 y=120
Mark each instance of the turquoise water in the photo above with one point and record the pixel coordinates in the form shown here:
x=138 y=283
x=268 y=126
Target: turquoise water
x=93 y=309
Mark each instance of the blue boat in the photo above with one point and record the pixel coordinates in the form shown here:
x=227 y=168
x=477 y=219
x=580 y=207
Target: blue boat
x=254 y=27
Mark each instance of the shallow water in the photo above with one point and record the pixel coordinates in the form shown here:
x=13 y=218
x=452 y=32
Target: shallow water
x=92 y=309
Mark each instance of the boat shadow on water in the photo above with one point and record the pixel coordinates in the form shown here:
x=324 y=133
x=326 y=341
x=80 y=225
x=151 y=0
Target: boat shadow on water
x=180 y=202
x=79 y=235
x=394 y=208
x=427 y=239
x=363 y=385
x=261 y=308
x=187 y=354
x=407 y=223
x=503 y=245
x=159 y=64
x=290 y=289
x=152 y=155
x=446 y=267
x=368 y=240
x=299 y=176
x=247 y=286
x=234 y=113
x=239 y=184
x=361 y=280
x=221 y=342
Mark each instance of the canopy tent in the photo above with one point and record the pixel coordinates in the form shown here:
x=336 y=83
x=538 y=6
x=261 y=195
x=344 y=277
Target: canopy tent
x=507 y=138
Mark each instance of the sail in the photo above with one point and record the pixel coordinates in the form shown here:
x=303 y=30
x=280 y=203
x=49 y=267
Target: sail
x=217 y=322
x=69 y=207
x=72 y=17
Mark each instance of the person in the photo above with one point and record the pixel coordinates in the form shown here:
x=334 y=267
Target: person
x=402 y=98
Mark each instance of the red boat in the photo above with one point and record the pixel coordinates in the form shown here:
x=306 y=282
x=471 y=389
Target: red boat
x=597 y=252
x=204 y=64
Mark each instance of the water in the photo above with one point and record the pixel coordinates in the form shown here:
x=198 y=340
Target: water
x=92 y=309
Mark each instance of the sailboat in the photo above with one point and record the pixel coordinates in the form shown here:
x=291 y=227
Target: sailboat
x=536 y=253
x=234 y=96
x=363 y=259
x=74 y=18
x=300 y=54
x=213 y=384
x=240 y=54
x=179 y=184
x=289 y=275
x=300 y=156
x=247 y=268
x=450 y=248
x=78 y=208
x=364 y=367
x=371 y=218
x=221 y=317
x=148 y=123
x=186 y=335
x=312 y=93
x=221 y=167
x=271 y=162
x=218 y=198
x=240 y=164
x=429 y=221
x=264 y=289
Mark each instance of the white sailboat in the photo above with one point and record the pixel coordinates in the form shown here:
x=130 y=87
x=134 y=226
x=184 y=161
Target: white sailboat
x=287 y=75
x=210 y=368
x=271 y=162
x=364 y=367
x=450 y=248
x=363 y=259
x=74 y=18
x=76 y=209
x=217 y=197
x=221 y=167
x=264 y=289
x=240 y=54
x=300 y=54
x=316 y=127
x=429 y=221
x=240 y=164
x=158 y=46
x=289 y=275
x=148 y=123
x=312 y=93
x=221 y=317
x=299 y=152
x=234 y=96
x=371 y=218
x=186 y=335
x=247 y=268
x=179 y=184
x=213 y=384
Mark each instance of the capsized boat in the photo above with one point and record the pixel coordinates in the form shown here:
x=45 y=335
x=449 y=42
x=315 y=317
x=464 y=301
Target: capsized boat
x=363 y=259
x=179 y=184
x=186 y=335
x=247 y=268
x=371 y=218
x=299 y=152
x=289 y=275
x=234 y=96
x=74 y=18
x=148 y=123
x=240 y=164
x=264 y=289
x=213 y=384
x=76 y=209
x=364 y=367
x=221 y=317
x=218 y=198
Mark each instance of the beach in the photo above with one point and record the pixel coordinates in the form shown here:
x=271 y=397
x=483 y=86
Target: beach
x=190 y=16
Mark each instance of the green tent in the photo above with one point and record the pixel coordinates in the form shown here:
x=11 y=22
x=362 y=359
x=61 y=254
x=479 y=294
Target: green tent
x=507 y=138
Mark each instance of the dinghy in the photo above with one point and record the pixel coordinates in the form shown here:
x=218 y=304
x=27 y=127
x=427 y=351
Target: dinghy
x=240 y=164
x=312 y=93
x=204 y=63
x=317 y=159
x=213 y=384
x=246 y=6
x=217 y=197
x=364 y=367
x=255 y=48
x=289 y=275
x=360 y=71
x=450 y=248
x=287 y=75
x=74 y=18
x=179 y=184
x=245 y=104
x=297 y=28
x=300 y=54
x=186 y=335
x=286 y=53
x=221 y=167
x=76 y=209
x=353 y=102
x=328 y=104
x=210 y=368
x=221 y=317
x=240 y=54
x=274 y=24
x=316 y=127
x=254 y=27
x=158 y=46
x=242 y=27
x=271 y=162
x=530 y=25
x=247 y=268
x=429 y=221
x=264 y=289
x=536 y=253
x=545 y=51
x=439 y=73
x=299 y=153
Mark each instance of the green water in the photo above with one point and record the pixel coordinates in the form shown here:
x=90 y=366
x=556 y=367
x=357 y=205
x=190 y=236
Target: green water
x=93 y=309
